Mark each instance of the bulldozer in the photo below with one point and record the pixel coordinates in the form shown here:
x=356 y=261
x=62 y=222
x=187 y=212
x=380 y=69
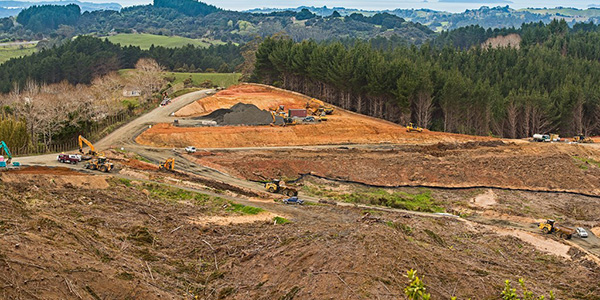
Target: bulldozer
x=101 y=164
x=278 y=186
x=550 y=227
x=580 y=138
x=167 y=165
x=412 y=127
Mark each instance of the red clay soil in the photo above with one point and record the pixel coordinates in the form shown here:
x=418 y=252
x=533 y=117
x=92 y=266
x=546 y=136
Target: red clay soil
x=343 y=127
x=526 y=166
x=44 y=170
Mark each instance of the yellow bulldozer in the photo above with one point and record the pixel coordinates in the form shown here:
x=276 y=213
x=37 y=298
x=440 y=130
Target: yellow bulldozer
x=167 y=165
x=550 y=227
x=278 y=186
x=580 y=138
x=413 y=128
x=101 y=164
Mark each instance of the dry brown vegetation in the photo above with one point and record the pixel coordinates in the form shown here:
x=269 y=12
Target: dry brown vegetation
x=143 y=241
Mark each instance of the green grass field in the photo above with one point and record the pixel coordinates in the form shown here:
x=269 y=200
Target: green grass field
x=11 y=51
x=220 y=79
x=144 y=40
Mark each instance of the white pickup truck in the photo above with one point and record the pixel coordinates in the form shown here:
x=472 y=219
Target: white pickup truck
x=190 y=149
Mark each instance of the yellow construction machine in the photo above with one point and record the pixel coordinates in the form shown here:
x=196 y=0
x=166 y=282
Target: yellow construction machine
x=278 y=186
x=550 y=226
x=168 y=165
x=580 y=138
x=92 y=150
x=101 y=164
x=318 y=108
x=412 y=127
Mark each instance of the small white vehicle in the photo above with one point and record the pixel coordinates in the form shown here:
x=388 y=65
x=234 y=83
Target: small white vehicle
x=581 y=232
x=190 y=149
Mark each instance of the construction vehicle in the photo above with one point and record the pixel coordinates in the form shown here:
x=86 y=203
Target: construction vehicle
x=278 y=186
x=168 y=165
x=4 y=147
x=550 y=227
x=318 y=108
x=92 y=152
x=580 y=138
x=412 y=127
x=100 y=163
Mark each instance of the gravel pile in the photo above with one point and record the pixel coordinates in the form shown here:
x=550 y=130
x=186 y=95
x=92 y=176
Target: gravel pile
x=242 y=114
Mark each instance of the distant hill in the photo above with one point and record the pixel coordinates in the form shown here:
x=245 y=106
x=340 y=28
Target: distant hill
x=13 y=8
x=198 y=20
x=487 y=17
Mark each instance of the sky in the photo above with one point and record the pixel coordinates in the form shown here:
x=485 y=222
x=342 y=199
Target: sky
x=446 y=5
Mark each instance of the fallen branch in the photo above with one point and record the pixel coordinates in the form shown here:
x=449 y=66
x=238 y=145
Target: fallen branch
x=175 y=229
x=24 y=263
x=71 y=288
x=214 y=254
x=150 y=271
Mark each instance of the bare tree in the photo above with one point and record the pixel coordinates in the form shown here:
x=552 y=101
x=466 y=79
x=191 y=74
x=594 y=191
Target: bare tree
x=423 y=107
x=147 y=76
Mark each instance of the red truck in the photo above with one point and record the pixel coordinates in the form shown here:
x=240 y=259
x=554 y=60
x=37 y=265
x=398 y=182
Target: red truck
x=68 y=159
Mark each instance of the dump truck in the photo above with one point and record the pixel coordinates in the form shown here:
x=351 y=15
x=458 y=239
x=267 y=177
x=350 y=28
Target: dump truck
x=318 y=107
x=278 y=186
x=580 y=138
x=550 y=227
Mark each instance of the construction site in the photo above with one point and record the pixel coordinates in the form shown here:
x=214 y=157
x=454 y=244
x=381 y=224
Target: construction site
x=190 y=201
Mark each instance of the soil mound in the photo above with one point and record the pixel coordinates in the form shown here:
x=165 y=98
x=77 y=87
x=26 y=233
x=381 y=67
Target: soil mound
x=242 y=114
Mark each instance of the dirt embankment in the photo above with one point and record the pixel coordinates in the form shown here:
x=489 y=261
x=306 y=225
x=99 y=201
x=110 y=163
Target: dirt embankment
x=131 y=242
x=342 y=127
x=46 y=177
x=496 y=164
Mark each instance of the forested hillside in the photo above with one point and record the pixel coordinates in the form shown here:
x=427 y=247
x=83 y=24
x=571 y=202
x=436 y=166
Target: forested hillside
x=193 y=19
x=486 y=17
x=549 y=84
x=85 y=58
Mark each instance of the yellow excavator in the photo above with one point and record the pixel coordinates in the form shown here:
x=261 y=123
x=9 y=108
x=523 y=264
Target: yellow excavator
x=168 y=165
x=92 y=150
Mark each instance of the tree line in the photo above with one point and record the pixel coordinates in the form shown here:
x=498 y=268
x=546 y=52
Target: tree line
x=548 y=84
x=85 y=58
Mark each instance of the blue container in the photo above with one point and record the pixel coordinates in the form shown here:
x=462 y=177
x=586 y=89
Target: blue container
x=2 y=164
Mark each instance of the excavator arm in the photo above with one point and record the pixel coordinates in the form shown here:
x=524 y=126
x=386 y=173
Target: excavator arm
x=82 y=141
x=6 y=151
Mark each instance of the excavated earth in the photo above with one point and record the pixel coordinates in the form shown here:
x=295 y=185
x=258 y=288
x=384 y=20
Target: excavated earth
x=493 y=163
x=343 y=127
x=140 y=241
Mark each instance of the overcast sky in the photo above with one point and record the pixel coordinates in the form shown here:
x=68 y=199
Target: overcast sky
x=447 y=5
